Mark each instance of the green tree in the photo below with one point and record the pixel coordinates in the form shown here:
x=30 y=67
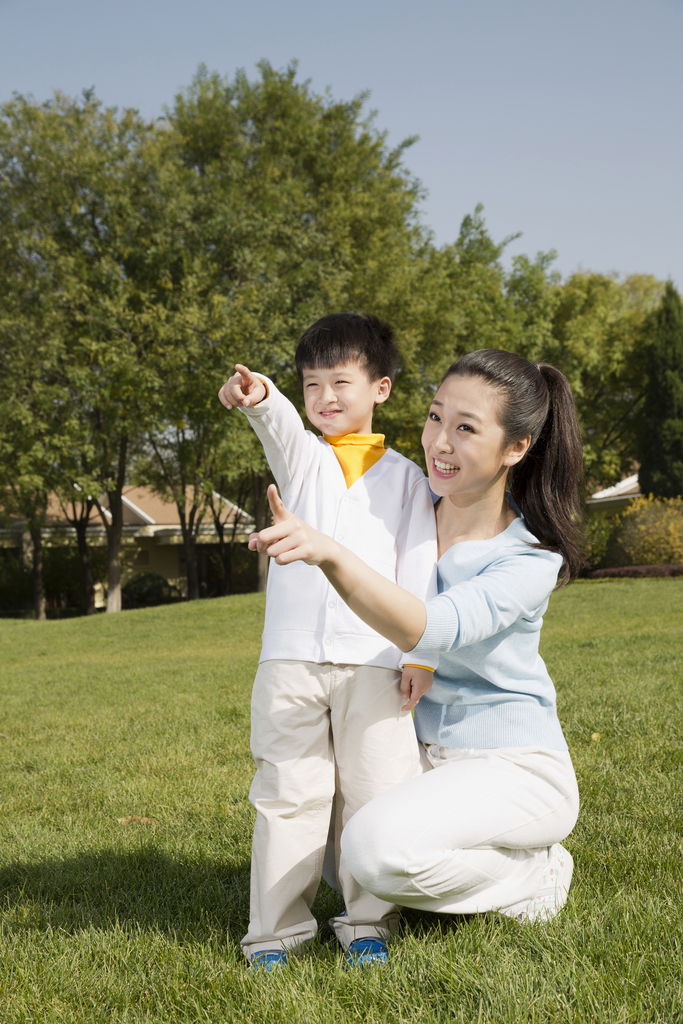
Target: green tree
x=31 y=405
x=304 y=210
x=661 y=439
x=598 y=339
x=455 y=299
x=94 y=202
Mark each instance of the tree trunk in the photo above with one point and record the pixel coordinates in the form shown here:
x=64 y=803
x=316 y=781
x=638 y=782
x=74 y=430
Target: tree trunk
x=189 y=524
x=260 y=483
x=190 y=549
x=225 y=555
x=88 y=598
x=114 y=528
x=38 y=581
x=226 y=548
x=114 y=535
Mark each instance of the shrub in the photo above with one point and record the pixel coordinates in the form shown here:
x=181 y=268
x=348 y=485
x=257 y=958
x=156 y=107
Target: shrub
x=148 y=589
x=62 y=577
x=63 y=574
x=16 y=582
x=649 y=532
x=597 y=532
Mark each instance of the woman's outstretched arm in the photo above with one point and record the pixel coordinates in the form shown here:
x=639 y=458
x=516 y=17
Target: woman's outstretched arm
x=395 y=613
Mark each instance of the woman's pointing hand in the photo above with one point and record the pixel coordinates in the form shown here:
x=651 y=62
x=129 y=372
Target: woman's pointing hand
x=289 y=539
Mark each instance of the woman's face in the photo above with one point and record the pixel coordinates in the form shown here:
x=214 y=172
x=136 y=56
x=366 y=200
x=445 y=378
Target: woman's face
x=463 y=440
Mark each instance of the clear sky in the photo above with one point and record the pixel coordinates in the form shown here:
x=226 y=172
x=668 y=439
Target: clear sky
x=563 y=117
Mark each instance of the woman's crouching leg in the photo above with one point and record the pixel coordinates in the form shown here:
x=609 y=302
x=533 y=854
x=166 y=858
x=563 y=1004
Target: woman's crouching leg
x=468 y=837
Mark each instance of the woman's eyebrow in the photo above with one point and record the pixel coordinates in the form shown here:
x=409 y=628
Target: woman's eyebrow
x=466 y=415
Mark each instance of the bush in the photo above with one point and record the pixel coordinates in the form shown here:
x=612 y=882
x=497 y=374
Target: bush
x=597 y=532
x=649 y=532
x=62 y=577
x=16 y=582
x=147 y=589
x=63 y=574
x=244 y=572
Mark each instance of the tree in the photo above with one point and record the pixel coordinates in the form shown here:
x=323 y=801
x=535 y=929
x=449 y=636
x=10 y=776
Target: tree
x=31 y=420
x=91 y=197
x=77 y=510
x=455 y=299
x=661 y=439
x=303 y=210
x=599 y=341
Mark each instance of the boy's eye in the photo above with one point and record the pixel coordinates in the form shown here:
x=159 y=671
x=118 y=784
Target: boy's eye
x=341 y=382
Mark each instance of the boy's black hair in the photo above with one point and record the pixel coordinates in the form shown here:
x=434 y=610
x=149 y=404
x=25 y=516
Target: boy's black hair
x=345 y=337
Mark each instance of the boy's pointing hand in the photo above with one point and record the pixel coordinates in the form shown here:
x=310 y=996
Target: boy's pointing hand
x=242 y=389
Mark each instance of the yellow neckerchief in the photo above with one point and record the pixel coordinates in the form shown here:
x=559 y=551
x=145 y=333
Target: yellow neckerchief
x=357 y=453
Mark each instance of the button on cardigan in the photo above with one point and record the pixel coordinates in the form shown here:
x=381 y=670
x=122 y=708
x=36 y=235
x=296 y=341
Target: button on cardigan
x=386 y=518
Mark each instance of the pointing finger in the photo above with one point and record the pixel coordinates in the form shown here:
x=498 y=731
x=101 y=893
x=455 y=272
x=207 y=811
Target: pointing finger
x=279 y=511
x=246 y=374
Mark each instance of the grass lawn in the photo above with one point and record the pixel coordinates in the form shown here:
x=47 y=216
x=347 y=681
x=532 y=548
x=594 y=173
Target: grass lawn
x=146 y=714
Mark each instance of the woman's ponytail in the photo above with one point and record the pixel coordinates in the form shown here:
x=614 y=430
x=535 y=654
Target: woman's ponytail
x=538 y=401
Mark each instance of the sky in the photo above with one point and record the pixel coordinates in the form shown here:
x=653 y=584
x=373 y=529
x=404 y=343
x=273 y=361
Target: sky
x=563 y=117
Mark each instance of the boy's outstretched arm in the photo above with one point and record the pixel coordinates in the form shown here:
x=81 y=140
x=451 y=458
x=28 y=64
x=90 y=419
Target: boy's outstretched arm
x=242 y=389
x=275 y=421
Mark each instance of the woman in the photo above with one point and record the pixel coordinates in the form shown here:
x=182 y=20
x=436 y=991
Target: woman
x=483 y=832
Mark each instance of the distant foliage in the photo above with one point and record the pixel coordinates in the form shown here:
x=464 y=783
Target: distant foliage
x=148 y=589
x=62 y=575
x=650 y=532
x=661 y=436
x=140 y=260
x=597 y=532
x=16 y=586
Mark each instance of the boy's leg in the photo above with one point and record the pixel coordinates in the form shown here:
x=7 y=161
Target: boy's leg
x=375 y=748
x=292 y=792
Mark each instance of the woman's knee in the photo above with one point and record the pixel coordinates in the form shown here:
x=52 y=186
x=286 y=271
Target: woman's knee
x=372 y=851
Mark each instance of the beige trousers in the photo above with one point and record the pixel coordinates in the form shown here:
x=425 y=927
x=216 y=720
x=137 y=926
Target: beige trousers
x=306 y=719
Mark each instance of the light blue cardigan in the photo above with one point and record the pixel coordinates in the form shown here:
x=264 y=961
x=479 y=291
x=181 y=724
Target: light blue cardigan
x=491 y=688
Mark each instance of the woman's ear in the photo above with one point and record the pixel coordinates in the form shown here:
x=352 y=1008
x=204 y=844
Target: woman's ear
x=517 y=451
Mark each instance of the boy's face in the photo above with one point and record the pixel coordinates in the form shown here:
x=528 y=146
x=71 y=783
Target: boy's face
x=341 y=400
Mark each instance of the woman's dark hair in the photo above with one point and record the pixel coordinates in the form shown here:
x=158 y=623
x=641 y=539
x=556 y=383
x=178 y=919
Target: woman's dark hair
x=345 y=337
x=537 y=400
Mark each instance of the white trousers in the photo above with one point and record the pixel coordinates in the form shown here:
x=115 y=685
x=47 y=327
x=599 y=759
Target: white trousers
x=305 y=720
x=469 y=835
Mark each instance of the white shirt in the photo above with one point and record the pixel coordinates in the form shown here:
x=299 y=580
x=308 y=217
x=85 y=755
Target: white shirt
x=386 y=518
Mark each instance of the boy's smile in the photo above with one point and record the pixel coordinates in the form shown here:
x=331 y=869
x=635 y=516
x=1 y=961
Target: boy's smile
x=341 y=400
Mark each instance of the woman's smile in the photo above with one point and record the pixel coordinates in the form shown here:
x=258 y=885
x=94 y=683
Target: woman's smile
x=444 y=469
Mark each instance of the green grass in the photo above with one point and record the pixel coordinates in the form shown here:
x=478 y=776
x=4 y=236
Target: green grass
x=147 y=713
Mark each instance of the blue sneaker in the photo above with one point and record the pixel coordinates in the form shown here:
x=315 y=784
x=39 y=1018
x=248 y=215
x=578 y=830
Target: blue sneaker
x=268 y=959
x=365 y=952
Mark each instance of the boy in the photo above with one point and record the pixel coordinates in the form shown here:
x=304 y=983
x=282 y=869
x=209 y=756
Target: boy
x=327 y=693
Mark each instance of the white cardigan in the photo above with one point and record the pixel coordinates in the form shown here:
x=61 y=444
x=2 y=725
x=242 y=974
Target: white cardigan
x=386 y=518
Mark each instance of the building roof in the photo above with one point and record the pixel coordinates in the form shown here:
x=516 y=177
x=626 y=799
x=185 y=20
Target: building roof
x=144 y=507
x=629 y=485
x=613 y=499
